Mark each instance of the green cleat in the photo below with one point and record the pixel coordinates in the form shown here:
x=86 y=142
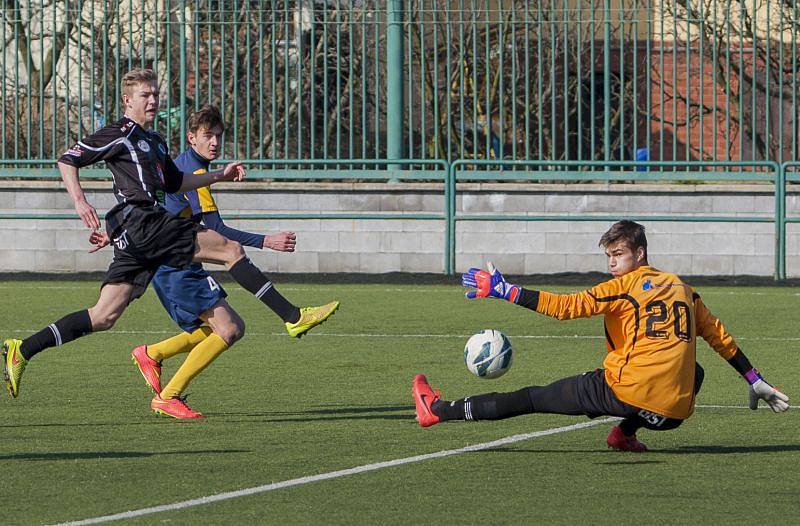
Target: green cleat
x=310 y=317
x=13 y=366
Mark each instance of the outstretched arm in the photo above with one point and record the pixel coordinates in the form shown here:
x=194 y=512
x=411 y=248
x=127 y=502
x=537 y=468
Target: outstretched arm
x=231 y=172
x=280 y=242
x=710 y=328
x=491 y=284
x=213 y=221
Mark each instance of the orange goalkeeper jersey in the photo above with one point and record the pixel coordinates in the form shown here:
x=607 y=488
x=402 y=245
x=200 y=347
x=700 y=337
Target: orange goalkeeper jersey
x=652 y=320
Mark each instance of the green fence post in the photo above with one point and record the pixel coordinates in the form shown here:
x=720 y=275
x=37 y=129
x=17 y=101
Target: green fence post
x=449 y=221
x=394 y=79
x=780 y=222
x=182 y=33
x=606 y=80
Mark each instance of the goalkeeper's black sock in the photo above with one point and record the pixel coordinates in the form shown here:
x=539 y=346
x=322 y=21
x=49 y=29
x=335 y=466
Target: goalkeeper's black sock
x=251 y=279
x=449 y=410
x=68 y=328
x=490 y=406
x=630 y=426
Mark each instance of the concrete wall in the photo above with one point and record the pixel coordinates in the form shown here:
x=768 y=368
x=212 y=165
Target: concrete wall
x=375 y=246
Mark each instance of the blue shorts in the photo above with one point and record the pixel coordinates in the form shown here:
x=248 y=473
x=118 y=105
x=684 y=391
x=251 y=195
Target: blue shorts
x=186 y=293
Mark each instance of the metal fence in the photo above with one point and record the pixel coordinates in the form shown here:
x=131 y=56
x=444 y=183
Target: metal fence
x=768 y=172
x=530 y=90
x=691 y=80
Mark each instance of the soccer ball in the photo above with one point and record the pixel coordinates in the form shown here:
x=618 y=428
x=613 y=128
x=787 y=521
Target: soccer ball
x=488 y=354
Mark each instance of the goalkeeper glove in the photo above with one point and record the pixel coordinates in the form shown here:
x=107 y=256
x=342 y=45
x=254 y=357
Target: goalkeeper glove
x=489 y=284
x=761 y=390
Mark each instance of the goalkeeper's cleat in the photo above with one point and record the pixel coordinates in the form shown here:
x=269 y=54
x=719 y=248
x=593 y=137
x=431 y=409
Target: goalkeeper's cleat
x=175 y=407
x=619 y=441
x=424 y=397
x=13 y=366
x=310 y=317
x=150 y=369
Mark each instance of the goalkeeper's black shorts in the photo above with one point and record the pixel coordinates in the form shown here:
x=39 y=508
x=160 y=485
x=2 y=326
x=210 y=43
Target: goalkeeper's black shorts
x=589 y=394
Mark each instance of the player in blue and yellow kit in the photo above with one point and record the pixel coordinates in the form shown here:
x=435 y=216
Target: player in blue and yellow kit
x=193 y=298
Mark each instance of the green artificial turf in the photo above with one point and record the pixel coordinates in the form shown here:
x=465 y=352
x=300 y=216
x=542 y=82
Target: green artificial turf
x=81 y=441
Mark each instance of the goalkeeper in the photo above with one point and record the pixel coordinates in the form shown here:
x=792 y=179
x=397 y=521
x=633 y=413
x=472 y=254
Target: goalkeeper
x=650 y=376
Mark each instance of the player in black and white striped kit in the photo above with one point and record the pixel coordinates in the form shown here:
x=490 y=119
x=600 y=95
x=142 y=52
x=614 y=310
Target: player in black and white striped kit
x=144 y=234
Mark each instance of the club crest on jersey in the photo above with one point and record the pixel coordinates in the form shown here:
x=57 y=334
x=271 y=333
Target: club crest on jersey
x=647 y=285
x=142 y=144
x=162 y=149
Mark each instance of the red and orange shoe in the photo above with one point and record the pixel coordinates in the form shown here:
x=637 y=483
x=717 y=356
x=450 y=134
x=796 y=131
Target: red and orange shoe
x=150 y=369
x=619 y=441
x=424 y=396
x=175 y=407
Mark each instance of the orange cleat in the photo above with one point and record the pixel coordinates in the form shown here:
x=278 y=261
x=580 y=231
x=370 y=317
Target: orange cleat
x=174 y=407
x=619 y=441
x=424 y=396
x=150 y=369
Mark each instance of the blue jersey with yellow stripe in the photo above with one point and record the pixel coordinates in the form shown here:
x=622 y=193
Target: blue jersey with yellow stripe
x=199 y=205
x=194 y=203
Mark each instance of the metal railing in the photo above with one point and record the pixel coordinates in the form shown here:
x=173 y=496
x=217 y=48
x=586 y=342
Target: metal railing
x=770 y=174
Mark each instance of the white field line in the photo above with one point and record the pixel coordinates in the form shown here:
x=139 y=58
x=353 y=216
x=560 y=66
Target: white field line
x=713 y=406
x=335 y=474
x=358 y=469
x=441 y=336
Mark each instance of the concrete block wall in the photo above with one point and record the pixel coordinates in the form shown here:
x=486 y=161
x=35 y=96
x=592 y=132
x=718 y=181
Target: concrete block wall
x=406 y=245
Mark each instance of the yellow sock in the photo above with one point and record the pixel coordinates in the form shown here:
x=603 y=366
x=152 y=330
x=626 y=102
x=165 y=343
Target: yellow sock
x=183 y=342
x=203 y=354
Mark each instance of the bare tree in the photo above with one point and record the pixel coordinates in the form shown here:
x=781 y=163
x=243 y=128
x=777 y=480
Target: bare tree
x=750 y=50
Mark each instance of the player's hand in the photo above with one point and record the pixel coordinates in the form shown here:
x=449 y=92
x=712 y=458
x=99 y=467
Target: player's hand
x=281 y=242
x=99 y=239
x=233 y=171
x=761 y=390
x=87 y=214
x=488 y=284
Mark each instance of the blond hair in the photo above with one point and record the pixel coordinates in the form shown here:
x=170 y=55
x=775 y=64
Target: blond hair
x=135 y=77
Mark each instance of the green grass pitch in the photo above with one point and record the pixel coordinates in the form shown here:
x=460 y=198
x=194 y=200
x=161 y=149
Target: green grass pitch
x=81 y=441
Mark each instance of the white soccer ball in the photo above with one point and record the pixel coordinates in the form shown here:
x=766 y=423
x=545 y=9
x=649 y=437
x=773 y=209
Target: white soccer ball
x=488 y=354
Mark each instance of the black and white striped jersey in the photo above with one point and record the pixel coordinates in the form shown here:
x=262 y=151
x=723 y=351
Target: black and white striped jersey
x=138 y=159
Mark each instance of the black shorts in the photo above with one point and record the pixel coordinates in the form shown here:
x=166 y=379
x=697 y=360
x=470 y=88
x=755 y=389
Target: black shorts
x=144 y=238
x=589 y=394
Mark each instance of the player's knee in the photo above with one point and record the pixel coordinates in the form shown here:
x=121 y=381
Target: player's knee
x=238 y=331
x=235 y=250
x=103 y=320
x=231 y=332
